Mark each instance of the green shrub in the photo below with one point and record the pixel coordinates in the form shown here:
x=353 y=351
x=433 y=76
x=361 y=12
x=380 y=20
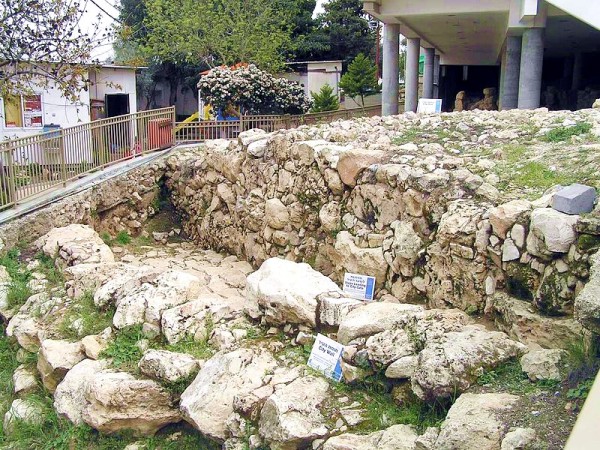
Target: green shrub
x=123 y=350
x=325 y=100
x=18 y=291
x=123 y=238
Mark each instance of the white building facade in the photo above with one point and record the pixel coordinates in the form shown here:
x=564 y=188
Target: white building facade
x=549 y=47
x=111 y=92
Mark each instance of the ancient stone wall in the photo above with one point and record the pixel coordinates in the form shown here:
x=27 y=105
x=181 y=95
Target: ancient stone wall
x=345 y=199
x=121 y=203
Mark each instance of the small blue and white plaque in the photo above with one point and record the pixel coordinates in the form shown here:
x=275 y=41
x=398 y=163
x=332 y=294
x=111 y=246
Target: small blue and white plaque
x=326 y=357
x=360 y=287
x=429 y=106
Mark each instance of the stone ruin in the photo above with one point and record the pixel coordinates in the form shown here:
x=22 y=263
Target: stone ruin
x=472 y=272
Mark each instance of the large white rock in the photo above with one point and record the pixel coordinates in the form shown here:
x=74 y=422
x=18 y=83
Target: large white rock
x=24 y=380
x=24 y=410
x=123 y=279
x=69 y=397
x=474 y=422
x=550 y=232
x=208 y=401
x=290 y=418
x=587 y=303
x=402 y=249
x=75 y=244
x=548 y=364
x=354 y=259
x=84 y=278
x=276 y=214
x=117 y=401
x=504 y=216
x=147 y=302
x=168 y=366
x=286 y=292
x=450 y=364
x=192 y=318
x=373 y=318
x=55 y=359
x=396 y=437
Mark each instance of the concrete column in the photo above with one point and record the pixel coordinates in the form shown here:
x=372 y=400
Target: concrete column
x=509 y=73
x=391 y=70
x=532 y=60
x=411 y=77
x=436 y=76
x=428 y=73
x=577 y=66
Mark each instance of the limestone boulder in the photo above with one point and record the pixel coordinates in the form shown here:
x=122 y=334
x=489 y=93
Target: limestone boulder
x=84 y=278
x=402 y=249
x=75 y=244
x=352 y=162
x=390 y=345
x=450 y=364
x=396 y=437
x=330 y=216
x=286 y=292
x=503 y=217
x=333 y=308
x=276 y=214
x=475 y=422
x=547 y=364
x=55 y=359
x=522 y=322
x=208 y=401
x=117 y=401
x=146 y=303
x=587 y=303
x=290 y=418
x=168 y=366
x=519 y=439
x=122 y=279
x=550 y=232
x=23 y=410
x=354 y=259
x=24 y=380
x=373 y=318
x=69 y=397
x=192 y=318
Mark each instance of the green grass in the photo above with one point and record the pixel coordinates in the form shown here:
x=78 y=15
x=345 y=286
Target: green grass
x=93 y=319
x=381 y=410
x=18 y=291
x=561 y=134
x=48 y=267
x=409 y=135
x=106 y=237
x=56 y=433
x=197 y=349
x=123 y=351
x=123 y=238
x=509 y=377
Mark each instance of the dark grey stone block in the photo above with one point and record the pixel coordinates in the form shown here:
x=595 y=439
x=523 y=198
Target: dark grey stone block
x=575 y=199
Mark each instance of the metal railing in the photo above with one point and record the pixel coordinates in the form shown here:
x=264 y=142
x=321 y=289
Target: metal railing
x=227 y=129
x=38 y=163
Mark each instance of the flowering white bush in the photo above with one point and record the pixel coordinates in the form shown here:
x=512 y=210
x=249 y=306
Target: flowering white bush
x=253 y=90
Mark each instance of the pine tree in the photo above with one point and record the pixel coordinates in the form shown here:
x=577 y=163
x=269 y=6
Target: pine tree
x=325 y=100
x=361 y=79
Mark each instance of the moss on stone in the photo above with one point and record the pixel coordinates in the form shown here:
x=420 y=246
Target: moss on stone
x=587 y=242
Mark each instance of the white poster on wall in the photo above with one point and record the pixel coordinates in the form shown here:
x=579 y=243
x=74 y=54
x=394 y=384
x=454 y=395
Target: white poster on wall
x=326 y=356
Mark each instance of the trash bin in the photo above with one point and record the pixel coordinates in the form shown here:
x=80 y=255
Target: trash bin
x=160 y=133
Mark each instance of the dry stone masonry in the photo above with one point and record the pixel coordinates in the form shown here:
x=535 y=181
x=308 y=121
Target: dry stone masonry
x=474 y=274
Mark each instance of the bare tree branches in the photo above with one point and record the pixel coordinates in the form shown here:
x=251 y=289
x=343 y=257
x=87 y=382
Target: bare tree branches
x=42 y=44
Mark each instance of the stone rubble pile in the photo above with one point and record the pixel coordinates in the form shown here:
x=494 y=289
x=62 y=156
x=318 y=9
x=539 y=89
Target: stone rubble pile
x=253 y=385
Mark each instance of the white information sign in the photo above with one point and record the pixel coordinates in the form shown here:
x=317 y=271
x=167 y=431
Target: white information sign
x=429 y=106
x=360 y=287
x=326 y=357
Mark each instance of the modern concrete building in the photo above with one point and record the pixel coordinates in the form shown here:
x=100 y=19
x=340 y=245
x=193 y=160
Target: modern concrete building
x=535 y=52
